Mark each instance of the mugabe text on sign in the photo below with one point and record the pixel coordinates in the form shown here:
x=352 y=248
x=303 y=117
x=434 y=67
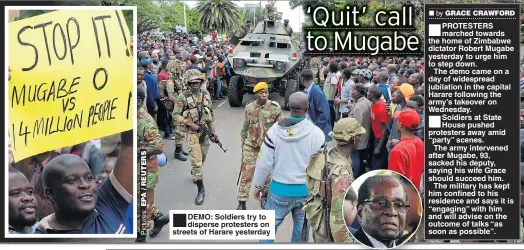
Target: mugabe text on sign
x=222 y=225
x=71 y=79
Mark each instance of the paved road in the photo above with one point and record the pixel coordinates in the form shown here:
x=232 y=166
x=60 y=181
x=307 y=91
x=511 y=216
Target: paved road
x=176 y=190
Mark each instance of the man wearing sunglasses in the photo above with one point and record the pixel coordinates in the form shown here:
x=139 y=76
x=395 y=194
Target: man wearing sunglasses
x=382 y=208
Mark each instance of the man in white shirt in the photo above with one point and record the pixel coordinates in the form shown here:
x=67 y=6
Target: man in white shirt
x=285 y=153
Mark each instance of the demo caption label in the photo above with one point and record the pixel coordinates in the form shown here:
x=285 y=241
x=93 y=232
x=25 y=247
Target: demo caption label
x=222 y=225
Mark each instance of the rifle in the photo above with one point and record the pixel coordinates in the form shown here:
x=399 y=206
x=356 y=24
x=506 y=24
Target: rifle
x=241 y=167
x=325 y=195
x=205 y=131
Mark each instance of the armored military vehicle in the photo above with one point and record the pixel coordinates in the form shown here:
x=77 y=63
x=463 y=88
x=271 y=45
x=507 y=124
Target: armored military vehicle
x=268 y=55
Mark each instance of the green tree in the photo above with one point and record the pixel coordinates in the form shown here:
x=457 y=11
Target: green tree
x=248 y=14
x=173 y=15
x=31 y=13
x=149 y=16
x=193 y=20
x=220 y=15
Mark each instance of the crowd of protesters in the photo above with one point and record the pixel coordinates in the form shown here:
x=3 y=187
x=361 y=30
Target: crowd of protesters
x=375 y=91
x=208 y=55
x=372 y=108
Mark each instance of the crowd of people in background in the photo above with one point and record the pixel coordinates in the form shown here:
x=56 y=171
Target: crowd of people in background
x=383 y=96
x=386 y=97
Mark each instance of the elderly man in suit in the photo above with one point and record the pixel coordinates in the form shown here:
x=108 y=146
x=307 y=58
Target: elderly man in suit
x=318 y=111
x=382 y=207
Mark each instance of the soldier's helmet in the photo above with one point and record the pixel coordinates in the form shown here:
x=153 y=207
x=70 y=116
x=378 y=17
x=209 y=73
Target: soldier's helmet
x=345 y=130
x=192 y=75
x=248 y=21
x=286 y=21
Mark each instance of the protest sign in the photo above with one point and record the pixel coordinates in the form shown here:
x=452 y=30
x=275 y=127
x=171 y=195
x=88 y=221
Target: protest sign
x=71 y=80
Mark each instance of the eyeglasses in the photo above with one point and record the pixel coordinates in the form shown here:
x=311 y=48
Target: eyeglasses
x=383 y=204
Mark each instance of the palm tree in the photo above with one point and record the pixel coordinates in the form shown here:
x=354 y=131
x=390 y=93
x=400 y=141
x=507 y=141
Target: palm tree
x=218 y=14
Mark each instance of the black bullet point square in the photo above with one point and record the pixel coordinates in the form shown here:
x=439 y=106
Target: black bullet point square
x=179 y=220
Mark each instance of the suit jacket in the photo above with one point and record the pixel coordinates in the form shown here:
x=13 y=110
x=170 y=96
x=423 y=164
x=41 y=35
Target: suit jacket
x=319 y=110
x=363 y=238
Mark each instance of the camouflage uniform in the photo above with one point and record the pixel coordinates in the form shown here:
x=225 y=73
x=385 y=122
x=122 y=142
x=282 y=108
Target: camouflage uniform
x=246 y=28
x=315 y=63
x=321 y=78
x=148 y=136
x=257 y=121
x=186 y=110
x=271 y=12
x=176 y=68
x=289 y=30
x=340 y=178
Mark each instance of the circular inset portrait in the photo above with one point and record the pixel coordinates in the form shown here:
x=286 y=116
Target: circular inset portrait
x=382 y=209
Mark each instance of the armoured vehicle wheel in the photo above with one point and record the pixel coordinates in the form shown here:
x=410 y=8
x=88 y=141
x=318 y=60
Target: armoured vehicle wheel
x=234 y=91
x=291 y=88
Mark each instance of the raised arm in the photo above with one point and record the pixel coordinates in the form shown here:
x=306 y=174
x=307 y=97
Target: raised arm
x=123 y=170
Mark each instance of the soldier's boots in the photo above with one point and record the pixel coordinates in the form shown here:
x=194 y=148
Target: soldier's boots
x=160 y=221
x=241 y=205
x=263 y=201
x=191 y=172
x=140 y=238
x=183 y=151
x=199 y=200
x=179 y=154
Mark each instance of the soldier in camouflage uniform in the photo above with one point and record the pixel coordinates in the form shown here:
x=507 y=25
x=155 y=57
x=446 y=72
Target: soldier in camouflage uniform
x=150 y=140
x=187 y=111
x=176 y=68
x=346 y=133
x=322 y=72
x=288 y=28
x=271 y=11
x=247 y=27
x=260 y=115
x=315 y=63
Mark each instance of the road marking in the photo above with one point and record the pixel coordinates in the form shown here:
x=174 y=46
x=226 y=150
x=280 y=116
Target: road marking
x=220 y=105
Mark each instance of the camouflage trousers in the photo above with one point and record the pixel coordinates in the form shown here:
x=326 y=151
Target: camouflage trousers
x=151 y=208
x=179 y=135
x=319 y=237
x=249 y=159
x=197 y=155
